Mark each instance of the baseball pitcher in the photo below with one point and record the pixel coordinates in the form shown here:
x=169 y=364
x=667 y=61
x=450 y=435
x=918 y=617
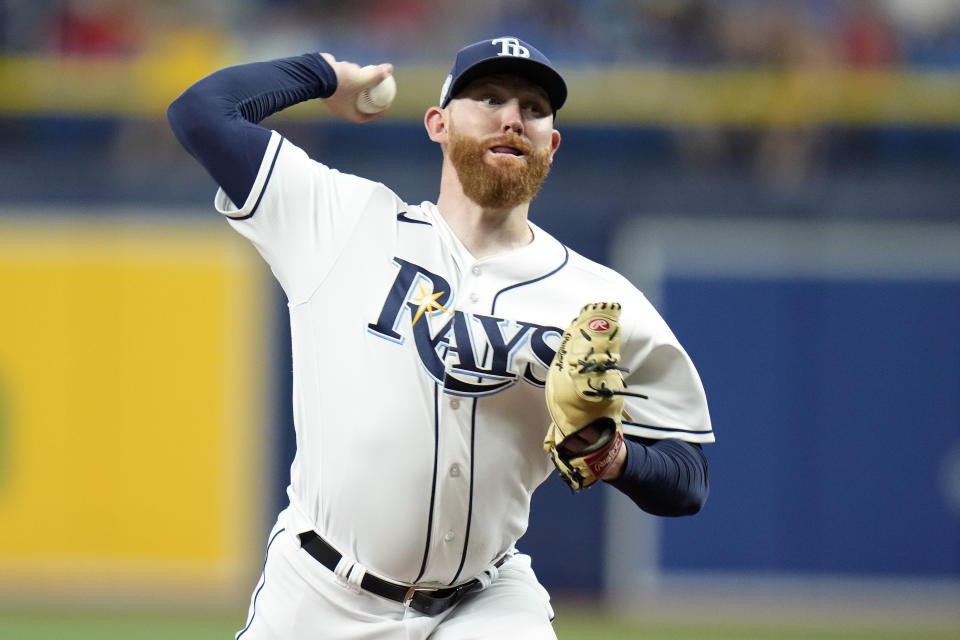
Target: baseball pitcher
x=447 y=355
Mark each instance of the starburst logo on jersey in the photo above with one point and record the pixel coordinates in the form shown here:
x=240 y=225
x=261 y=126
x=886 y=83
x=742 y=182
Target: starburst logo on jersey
x=469 y=354
x=427 y=302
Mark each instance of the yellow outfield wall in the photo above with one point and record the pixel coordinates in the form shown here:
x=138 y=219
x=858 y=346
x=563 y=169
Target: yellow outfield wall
x=130 y=408
x=143 y=87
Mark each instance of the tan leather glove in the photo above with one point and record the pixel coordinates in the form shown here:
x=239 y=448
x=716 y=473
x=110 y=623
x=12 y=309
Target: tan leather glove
x=584 y=390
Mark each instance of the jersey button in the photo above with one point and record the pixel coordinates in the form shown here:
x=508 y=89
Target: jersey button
x=455 y=403
x=455 y=471
x=475 y=270
x=449 y=535
x=474 y=298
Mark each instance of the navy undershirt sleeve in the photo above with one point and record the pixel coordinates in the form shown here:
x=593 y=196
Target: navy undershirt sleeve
x=664 y=477
x=216 y=118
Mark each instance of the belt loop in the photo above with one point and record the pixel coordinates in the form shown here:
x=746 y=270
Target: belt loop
x=342 y=571
x=487 y=576
x=355 y=577
x=492 y=572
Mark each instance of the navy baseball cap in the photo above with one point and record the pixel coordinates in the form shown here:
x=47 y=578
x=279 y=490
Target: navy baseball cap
x=507 y=55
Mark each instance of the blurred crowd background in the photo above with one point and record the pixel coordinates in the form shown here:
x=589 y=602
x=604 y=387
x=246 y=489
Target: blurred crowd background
x=860 y=33
x=778 y=107
x=780 y=177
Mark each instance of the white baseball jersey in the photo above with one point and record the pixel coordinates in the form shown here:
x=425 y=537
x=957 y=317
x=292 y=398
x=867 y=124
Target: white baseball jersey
x=418 y=370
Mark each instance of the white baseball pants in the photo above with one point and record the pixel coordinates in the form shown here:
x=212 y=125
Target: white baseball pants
x=297 y=598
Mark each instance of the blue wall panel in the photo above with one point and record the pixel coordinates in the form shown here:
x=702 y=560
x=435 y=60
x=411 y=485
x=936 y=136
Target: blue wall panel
x=834 y=404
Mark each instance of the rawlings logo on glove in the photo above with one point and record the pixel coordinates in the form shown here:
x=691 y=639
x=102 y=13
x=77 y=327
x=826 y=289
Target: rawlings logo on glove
x=584 y=393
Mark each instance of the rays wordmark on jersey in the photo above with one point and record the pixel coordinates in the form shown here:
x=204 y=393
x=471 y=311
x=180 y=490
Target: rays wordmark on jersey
x=469 y=354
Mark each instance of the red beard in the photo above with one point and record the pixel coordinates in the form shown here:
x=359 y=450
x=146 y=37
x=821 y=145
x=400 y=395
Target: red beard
x=501 y=182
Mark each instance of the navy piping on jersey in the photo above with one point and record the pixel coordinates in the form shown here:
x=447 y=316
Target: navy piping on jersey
x=566 y=258
x=263 y=582
x=473 y=415
x=433 y=489
x=273 y=163
x=493 y=306
x=466 y=536
x=666 y=429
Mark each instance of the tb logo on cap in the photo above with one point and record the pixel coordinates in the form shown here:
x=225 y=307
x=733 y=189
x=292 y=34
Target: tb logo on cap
x=511 y=47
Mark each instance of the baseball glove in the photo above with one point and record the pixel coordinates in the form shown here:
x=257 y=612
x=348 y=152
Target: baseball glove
x=584 y=393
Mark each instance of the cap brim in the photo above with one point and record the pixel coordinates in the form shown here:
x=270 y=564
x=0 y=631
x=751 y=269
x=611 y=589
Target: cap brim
x=534 y=71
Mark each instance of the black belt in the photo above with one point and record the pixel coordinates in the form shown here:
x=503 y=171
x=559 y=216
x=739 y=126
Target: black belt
x=423 y=599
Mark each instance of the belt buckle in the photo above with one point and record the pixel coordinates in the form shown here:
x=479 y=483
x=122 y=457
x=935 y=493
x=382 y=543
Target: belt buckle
x=412 y=591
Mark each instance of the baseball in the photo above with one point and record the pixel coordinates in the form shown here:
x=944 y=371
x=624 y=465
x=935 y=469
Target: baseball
x=378 y=98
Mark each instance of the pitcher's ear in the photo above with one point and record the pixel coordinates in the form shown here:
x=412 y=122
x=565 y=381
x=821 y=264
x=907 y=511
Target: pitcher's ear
x=554 y=143
x=435 y=122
